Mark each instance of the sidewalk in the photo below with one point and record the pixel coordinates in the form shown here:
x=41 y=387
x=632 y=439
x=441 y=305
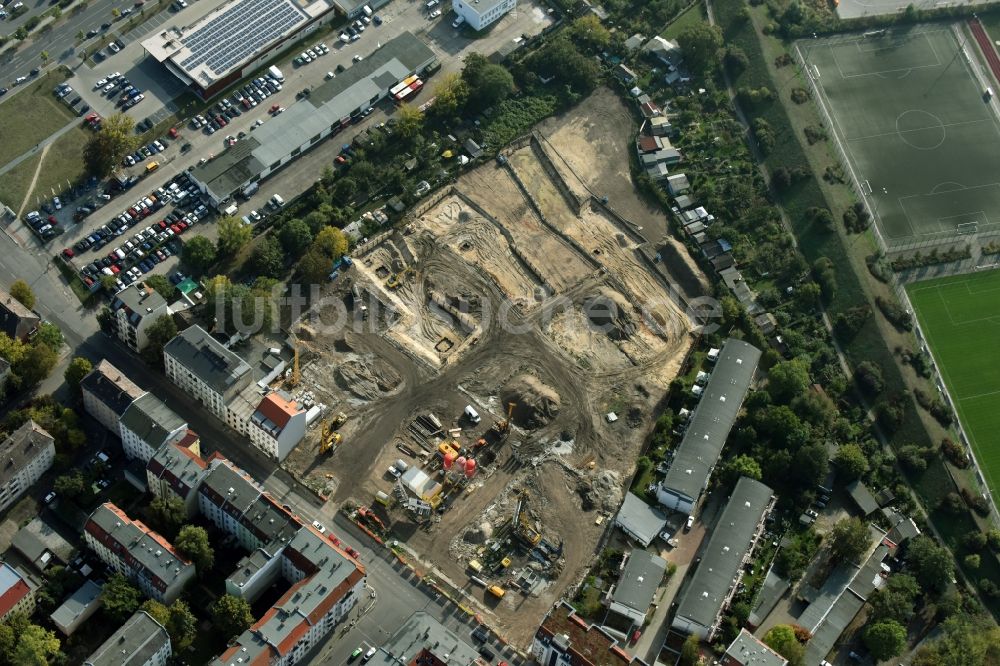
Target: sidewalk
x=38 y=147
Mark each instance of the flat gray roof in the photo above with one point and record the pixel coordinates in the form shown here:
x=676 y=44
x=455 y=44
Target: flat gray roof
x=638 y=582
x=77 y=604
x=422 y=632
x=208 y=359
x=712 y=419
x=133 y=644
x=862 y=497
x=150 y=419
x=639 y=519
x=326 y=107
x=747 y=650
x=722 y=558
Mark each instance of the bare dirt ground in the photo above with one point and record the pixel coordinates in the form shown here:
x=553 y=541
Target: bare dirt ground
x=498 y=297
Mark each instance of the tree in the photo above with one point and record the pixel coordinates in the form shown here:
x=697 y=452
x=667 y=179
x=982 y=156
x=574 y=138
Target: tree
x=332 y=242
x=449 y=96
x=314 y=266
x=192 y=542
x=931 y=564
x=161 y=285
x=409 y=121
x=561 y=59
x=233 y=235
x=690 y=651
x=70 y=485
x=168 y=514
x=199 y=253
x=49 y=335
x=35 y=647
x=868 y=375
x=20 y=290
x=700 y=43
x=849 y=539
x=231 y=615
x=268 y=258
x=12 y=350
x=295 y=237
x=78 y=368
x=488 y=84
x=343 y=190
x=106 y=147
x=44 y=57
x=36 y=365
x=589 y=31
x=962 y=641
x=178 y=620
x=851 y=460
x=237 y=307
x=741 y=465
x=885 y=639
x=787 y=380
x=120 y=597
x=781 y=638
x=159 y=333
x=894 y=601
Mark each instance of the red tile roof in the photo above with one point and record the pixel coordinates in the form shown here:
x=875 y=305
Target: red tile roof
x=278 y=410
x=12 y=595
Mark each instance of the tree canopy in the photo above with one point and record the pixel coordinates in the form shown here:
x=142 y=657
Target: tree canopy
x=851 y=460
x=885 y=639
x=231 y=615
x=20 y=290
x=930 y=563
x=781 y=638
x=488 y=84
x=199 y=253
x=233 y=235
x=120 y=598
x=78 y=368
x=701 y=44
x=849 y=539
x=110 y=144
x=295 y=236
x=192 y=542
x=267 y=258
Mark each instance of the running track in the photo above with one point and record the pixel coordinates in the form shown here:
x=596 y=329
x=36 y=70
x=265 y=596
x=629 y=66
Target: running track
x=986 y=46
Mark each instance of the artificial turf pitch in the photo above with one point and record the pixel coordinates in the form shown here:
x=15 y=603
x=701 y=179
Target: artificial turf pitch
x=960 y=319
x=920 y=135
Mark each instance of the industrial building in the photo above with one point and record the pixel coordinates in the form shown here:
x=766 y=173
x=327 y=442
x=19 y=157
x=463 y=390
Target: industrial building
x=326 y=111
x=709 y=427
x=234 y=40
x=478 y=14
x=730 y=547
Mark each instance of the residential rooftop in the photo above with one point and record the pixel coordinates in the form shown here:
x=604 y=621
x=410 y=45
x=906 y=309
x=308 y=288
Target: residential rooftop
x=151 y=420
x=111 y=387
x=589 y=645
x=21 y=447
x=13 y=587
x=133 y=644
x=207 y=358
x=639 y=580
x=748 y=650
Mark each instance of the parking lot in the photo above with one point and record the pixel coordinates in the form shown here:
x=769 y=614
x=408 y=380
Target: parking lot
x=193 y=144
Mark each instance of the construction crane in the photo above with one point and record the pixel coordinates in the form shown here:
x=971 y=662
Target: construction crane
x=296 y=377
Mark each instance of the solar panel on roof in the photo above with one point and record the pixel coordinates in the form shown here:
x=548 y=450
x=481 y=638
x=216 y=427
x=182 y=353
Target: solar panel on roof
x=239 y=32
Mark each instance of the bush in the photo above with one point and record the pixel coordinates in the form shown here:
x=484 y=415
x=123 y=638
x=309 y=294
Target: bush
x=814 y=134
x=895 y=313
x=934 y=406
x=846 y=324
x=800 y=95
x=933 y=257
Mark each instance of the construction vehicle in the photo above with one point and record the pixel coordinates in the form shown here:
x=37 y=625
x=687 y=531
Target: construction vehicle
x=338 y=420
x=523 y=529
x=367 y=515
x=502 y=427
x=496 y=591
x=331 y=438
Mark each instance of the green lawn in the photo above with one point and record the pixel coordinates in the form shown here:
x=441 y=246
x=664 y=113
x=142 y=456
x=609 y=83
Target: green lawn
x=63 y=164
x=693 y=14
x=960 y=317
x=30 y=114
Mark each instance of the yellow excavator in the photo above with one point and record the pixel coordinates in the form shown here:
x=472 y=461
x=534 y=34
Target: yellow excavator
x=522 y=526
x=331 y=437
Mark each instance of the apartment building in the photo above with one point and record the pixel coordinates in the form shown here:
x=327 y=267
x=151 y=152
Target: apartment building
x=27 y=453
x=16 y=320
x=147 y=425
x=137 y=552
x=141 y=641
x=207 y=371
x=277 y=425
x=566 y=639
x=176 y=470
x=134 y=310
x=107 y=393
x=17 y=593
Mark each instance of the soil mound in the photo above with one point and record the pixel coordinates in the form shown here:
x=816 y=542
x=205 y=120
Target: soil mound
x=535 y=403
x=609 y=311
x=369 y=379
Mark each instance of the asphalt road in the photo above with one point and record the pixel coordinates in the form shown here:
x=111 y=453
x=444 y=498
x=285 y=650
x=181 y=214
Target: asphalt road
x=59 y=42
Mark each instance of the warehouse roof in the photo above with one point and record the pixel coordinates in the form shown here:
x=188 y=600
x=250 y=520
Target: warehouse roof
x=233 y=34
x=713 y=418
x=722 y=558
x=327 y=105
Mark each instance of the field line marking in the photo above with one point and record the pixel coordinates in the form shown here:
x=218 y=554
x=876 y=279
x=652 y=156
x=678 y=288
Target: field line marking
x=918 y=129
x=979 y=395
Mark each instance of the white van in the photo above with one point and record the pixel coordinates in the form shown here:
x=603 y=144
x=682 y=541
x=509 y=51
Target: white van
x=230 y=209
x=276 y=73
x=367 y=10
x=277 y=201
x=472 y=414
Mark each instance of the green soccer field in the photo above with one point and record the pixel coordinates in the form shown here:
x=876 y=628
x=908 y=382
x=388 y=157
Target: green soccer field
x=960 y=318
x=910 y=112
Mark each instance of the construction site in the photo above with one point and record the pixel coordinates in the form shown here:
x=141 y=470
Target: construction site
x=504 y=354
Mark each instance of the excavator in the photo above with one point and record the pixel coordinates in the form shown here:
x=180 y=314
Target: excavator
x=331 y=438
x=500 y=428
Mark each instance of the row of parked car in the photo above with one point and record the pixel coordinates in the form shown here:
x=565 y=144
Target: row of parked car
x=311 y=54
x=65 y=92
x=149 y=246
x=143 y=152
